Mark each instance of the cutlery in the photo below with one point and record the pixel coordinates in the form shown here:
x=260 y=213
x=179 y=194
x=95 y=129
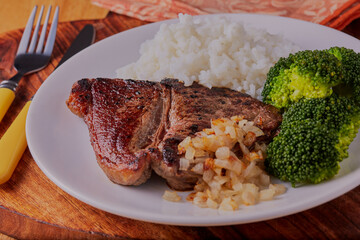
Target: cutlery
x=13 y=143
x=28 y=59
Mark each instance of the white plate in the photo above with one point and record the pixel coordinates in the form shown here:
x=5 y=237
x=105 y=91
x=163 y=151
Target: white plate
x=59 y=140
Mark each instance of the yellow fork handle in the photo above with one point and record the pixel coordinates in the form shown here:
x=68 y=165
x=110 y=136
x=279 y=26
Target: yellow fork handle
x=6 y=98
x=12 y=145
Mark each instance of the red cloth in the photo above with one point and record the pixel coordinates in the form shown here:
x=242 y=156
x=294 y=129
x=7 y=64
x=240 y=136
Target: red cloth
x=333 y=13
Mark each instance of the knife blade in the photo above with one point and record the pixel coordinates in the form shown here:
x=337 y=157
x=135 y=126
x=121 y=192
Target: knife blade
x=13 y=142
x=84 y=39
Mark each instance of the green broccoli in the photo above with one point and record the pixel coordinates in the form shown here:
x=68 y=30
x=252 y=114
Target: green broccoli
x=350 y=61
x=304 y=152
x=305 y=74
x=319 y=94
x=338 y=113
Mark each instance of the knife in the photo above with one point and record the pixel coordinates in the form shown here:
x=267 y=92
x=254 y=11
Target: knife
x=13 y=142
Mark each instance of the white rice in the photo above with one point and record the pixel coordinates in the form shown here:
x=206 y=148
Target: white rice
x=213 y=51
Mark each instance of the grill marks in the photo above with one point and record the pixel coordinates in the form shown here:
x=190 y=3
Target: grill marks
x=136 y=126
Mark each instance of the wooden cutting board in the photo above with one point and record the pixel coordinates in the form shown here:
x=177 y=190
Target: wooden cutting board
x=31 y=206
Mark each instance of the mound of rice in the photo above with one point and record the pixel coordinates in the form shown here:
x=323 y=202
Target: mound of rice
x=213 y=51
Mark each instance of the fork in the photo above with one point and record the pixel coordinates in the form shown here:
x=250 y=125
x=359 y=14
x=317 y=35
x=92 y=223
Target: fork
x=28 y=59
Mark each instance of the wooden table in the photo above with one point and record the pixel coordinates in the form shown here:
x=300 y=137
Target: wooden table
x=31 y=206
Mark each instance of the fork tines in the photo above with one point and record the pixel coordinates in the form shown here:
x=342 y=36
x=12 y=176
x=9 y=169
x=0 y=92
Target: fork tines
x=24 y=46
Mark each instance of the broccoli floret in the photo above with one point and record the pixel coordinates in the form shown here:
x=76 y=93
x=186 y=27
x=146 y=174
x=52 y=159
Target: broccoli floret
x=319 y=94
x=347 y=134
x=304 y=152
x=338 y=113
x=305 y=74
x=350 y=61
x=315 y=136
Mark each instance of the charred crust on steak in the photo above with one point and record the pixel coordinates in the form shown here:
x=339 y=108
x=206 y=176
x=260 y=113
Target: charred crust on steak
x=194 y=128
x=152 y=149
x=80 y=97
x=170 y=150
x=84 y=84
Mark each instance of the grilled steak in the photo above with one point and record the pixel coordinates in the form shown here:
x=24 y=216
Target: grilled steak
x=121 y=116
x=136 y=126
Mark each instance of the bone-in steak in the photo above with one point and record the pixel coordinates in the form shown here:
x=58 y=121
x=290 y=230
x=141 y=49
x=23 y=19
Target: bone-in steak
x=136 y=126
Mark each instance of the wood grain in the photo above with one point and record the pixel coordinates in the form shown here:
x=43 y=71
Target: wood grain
x=32 y=207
